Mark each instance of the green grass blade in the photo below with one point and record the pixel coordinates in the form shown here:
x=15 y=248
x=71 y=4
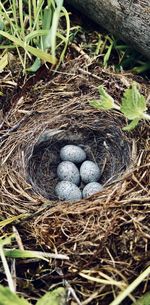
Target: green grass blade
x=54 y=26
x=7 y=271
x=36 y=52
x=34 y=9
x=131 y=287
x=141 y=69
x=5 y=46
x=9 y=220
x=47 y=17
x=17 y=253
x=35 y=66
x=34 y=30
x=30 y=14
x=5 y=15
x=41 y=54
x=107 y=55
x=6 y=240
x=3 y=61
x=14 y=12
x=46 y=24
x=21 y=18
x=37 y=10
x=67 y=33
x=35 y=34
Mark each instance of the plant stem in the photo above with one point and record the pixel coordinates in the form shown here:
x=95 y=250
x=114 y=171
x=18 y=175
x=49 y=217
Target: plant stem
x=115 y=106
x=7 y=271
x=146 y=116
x=131 y=287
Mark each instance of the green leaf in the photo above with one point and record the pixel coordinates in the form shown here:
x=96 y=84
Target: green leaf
x=36 y=52
x=131 y=126
x=17 y=253
x=41 y=54
x=107 y=55
x=7 y=240
x=9 y=298
x=3 y=62
x=34 y=34
x=144 y=300
x=142 y=68
x=106 y=102
x=1 y=25
x=47 y=17
x=133 y=103
x=59 y=3
x=46 y=22
x=55 y=297
x=35 y=66
x=104 y=95
x=9 y=220
x=95 y=103
x=1 y=28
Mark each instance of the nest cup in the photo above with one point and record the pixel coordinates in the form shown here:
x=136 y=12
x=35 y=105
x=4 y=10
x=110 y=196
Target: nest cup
x=105 y=144
x=107 y=233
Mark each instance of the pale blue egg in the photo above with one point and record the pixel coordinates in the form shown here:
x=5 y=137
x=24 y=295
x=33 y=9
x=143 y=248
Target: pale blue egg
x=66 y=190
x=72 y=153
x=89 y=172
x=91 y=188
x=68 y=171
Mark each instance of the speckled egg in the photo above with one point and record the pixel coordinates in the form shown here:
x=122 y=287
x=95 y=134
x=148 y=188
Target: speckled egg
x=91 y=188
x=72 y=153
x=89 y=172
x=66 y=190
x=68 y=171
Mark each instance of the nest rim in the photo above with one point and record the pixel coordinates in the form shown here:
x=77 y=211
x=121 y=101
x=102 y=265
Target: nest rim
x=106 y=146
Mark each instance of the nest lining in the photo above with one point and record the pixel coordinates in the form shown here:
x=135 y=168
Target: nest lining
x=104 y=145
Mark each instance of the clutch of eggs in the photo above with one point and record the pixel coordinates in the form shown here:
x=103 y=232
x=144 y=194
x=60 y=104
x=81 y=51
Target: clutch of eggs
x=69 y=174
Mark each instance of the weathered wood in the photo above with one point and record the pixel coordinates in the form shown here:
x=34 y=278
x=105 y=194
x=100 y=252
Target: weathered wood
x=127 y=19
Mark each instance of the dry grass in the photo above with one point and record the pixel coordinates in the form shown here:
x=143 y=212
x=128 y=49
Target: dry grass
x=107 y=235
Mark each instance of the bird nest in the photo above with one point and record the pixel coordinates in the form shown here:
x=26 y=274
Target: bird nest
x=105 y=234
x=104 y=143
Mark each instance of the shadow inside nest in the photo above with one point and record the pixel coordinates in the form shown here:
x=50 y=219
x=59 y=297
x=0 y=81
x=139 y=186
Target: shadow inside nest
x=104 y=144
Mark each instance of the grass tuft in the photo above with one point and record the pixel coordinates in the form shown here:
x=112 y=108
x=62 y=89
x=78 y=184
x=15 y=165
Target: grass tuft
x=32 y=27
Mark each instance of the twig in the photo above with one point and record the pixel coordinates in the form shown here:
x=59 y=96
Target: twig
x=92 y=296
x=106 y=280
x=72 y=292
x=80 y=51
x=18 y=238
x=89 y=73
x=136 y=199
